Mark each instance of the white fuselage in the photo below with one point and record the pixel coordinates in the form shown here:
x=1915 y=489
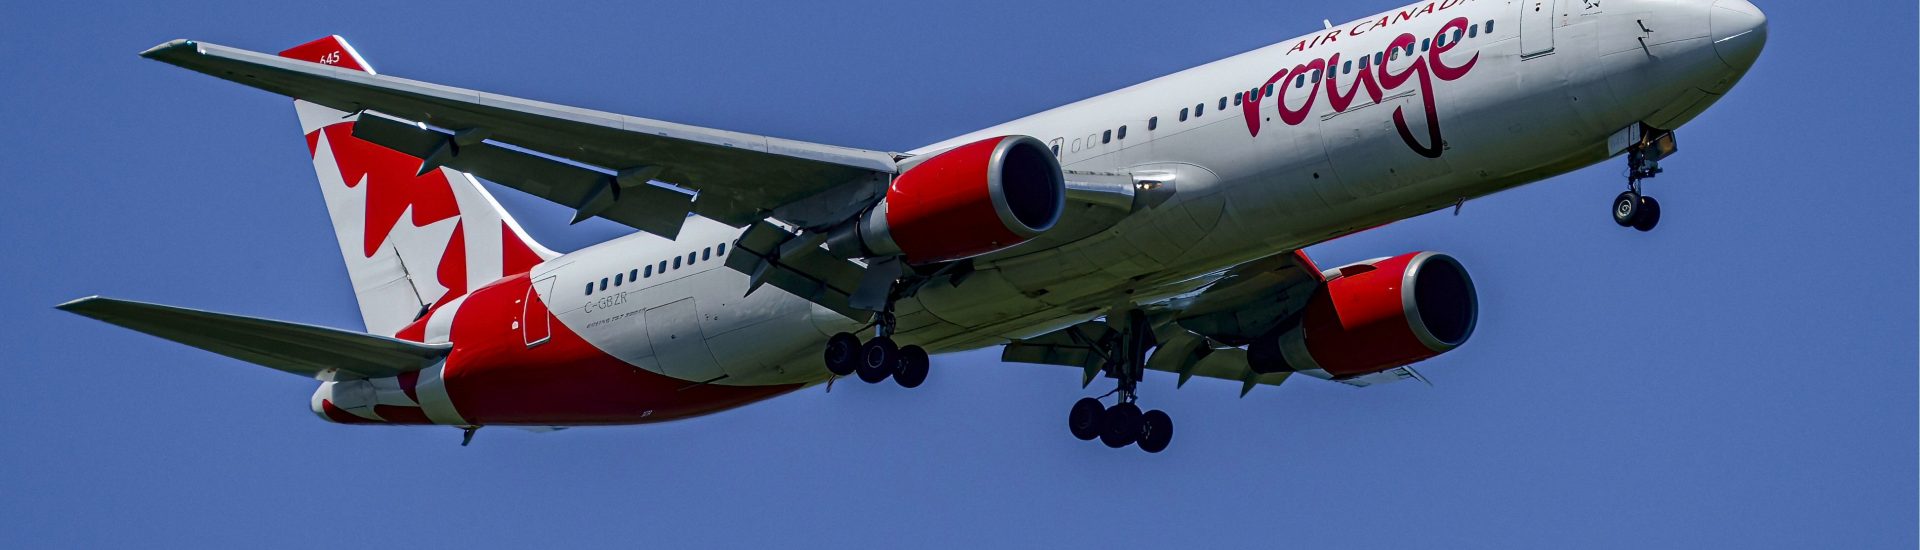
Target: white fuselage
x=1545 y=92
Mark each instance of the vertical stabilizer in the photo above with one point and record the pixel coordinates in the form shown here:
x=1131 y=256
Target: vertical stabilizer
x=412 y=241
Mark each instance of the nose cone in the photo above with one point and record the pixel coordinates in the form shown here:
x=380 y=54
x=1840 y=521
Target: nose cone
x=1739 y=32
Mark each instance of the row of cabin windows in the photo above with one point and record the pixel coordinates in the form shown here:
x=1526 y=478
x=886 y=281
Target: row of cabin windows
x=1370 y=61
x=648 y=271
x=1346 y=67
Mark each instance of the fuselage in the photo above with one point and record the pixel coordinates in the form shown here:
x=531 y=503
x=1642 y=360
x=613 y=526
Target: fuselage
x=1345 y=129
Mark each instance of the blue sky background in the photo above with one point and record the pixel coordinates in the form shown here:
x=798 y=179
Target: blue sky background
x=1742 y=378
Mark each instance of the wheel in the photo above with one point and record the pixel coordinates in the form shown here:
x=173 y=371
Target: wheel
x=843 y=354
x=877 y=359
x=1649 y=214
x=1626 y=208
x=1157 y=431
x=1122 y=425
x=1086 y=418
x=911 y=369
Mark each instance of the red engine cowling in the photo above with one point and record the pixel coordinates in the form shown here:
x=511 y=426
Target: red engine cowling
x=1376 y=316
x=970 y=200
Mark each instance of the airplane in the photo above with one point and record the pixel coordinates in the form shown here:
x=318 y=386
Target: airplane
x=1157 y=227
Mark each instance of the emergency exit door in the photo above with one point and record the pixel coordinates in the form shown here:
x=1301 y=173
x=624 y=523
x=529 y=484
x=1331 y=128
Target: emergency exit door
x=1536 y=27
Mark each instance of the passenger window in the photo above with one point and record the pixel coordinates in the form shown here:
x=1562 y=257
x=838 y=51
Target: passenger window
x=1153 y=124
x=1183 y=114
x=676 y=262
x=1123 y=132
x=603 y=283
x=1456 y=35
x=1106 y=137
x=663 y=267
x=706 y=254
x=690 y=256
x=1223 y=103
x=589 y=288
x=648 y=272
x=1056 y=149
x=1269 y=90
x=1473 y=31
x=1237 y=96
x=1300 y=82
x=633 y=275
x=1200 y=109
x=1347 y=68
x=1440 y=42
x=1489 y=26
x=1316 y=75
x=1423 y=46
x=1378 y=57
x=618 y=278
x=722 y=250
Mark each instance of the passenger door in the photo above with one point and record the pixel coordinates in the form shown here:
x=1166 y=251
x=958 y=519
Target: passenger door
x=536 y=322
x=1536 y=27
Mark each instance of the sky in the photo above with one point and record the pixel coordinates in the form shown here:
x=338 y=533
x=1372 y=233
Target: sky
x=1744 y=377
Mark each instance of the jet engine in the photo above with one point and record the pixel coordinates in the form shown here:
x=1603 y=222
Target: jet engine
x=966 y=201
x=1375 y=316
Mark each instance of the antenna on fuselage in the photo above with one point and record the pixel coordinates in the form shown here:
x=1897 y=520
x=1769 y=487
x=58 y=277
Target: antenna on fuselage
x=1327 y=22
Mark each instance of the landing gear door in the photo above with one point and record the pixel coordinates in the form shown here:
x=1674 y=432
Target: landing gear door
x=1536 y=27
x=536 y=323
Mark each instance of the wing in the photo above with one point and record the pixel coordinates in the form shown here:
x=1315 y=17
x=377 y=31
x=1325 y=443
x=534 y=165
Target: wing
x=1185 y=354
x=1250 y=298
x=306 y=350
x=740 y=178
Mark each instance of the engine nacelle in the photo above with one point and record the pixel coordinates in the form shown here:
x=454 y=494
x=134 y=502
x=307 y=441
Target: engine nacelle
x=967 y=201
x=1375 y=316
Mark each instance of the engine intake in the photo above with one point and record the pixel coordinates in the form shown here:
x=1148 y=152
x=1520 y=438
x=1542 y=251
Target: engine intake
x=970 y=200
x=1375 y=316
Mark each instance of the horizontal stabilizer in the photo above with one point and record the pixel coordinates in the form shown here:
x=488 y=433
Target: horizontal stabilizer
x=306 y=350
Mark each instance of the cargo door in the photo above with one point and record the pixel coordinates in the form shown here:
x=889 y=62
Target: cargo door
x=679 y=344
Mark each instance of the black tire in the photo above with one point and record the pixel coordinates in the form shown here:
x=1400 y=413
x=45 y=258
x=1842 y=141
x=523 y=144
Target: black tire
x=1122 y=425
x=877 y=360
x=1649 y=215
x=1626 y=208
x=843 y=354
x=1087 y=419
x=1156 y=432
x=911 y=369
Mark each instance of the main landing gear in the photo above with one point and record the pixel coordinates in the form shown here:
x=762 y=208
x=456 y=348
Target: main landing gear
x=1634 y=208
x=1124 y=423
x=879 y=358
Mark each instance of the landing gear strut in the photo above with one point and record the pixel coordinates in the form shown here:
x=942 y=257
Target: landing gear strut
x=1634 y=208
x=1123 y=424
x=879 y=358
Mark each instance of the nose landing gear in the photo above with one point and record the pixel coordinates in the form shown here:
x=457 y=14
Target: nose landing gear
x=1632 y=209
x=1647 y=148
